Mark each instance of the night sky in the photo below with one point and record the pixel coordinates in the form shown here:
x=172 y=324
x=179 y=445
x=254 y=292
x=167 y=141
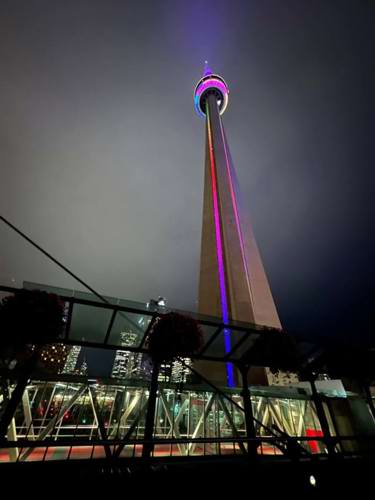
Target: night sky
x=101 y=152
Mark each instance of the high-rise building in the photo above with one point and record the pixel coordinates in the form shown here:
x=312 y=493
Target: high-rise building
x=233 y=284
x=179 y=372
x=175 y=372
x=127 y=363
x=71 y=363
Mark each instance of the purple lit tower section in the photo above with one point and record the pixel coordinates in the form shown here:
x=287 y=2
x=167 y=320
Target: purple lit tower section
x=233 y=284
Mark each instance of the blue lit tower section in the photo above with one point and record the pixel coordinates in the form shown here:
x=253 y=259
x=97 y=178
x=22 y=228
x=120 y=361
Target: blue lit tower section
x=232 y=284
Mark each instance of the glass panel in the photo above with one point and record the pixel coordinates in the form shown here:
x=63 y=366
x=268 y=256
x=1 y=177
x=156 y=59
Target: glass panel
x=47 y=288
x=81 y=452
x=57 y=453
x=36 y=454
x=208 y=332
x=89 y=323
x=136 y=305
x=245 y=346
x=99 y=452
x=128 y=329
x=217 y=348
x=93 y=298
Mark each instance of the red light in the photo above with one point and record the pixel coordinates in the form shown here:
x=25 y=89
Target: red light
x=314 y=445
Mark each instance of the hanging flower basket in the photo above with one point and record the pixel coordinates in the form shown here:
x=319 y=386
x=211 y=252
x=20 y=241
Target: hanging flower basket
x=277 y=350
x=174 y=335
x=29 y=317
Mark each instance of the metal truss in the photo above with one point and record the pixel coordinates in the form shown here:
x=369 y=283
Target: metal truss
x=133 y=418
x=57 y=412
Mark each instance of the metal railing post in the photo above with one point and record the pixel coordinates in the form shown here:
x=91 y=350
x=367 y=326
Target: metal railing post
x=148 y=447
x=321 y=416
x=248 y=410
x=16 y=396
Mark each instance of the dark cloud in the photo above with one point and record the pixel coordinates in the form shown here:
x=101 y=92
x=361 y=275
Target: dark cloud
x=102 y=155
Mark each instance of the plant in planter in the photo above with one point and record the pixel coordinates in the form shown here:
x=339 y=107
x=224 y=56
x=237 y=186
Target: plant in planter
x=174 y=335
x=28 y=319
x=277 y=350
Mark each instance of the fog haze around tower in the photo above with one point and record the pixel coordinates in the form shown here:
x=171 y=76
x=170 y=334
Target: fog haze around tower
x=101 y=152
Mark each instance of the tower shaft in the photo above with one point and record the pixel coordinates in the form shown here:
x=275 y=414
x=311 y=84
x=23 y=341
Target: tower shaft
x=233 y=284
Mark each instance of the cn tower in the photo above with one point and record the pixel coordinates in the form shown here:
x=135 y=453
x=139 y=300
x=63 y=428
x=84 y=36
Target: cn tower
x=232 y=283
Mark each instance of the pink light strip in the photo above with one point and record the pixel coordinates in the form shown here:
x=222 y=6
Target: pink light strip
x=212 y=82
x=236 y=215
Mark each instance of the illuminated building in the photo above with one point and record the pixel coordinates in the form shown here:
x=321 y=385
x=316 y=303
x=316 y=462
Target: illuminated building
x=72 y=359
x=126 y=363
x=82 y=370
x=175 y=372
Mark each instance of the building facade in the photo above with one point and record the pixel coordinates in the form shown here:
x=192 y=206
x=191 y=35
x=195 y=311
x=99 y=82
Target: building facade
x=127 y=364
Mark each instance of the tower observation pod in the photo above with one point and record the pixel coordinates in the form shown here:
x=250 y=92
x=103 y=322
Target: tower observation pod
x=210 y=84
x=232 y=282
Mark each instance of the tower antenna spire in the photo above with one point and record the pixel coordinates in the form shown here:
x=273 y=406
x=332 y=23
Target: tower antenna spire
x=207 y=69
